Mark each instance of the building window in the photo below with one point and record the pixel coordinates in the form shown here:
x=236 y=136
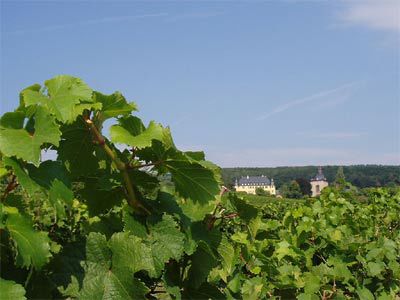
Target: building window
x=317 y=188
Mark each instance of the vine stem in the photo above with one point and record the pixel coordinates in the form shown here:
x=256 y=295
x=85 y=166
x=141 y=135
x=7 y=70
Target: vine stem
x=29 y=277
x=10 y=186
x=132 y=199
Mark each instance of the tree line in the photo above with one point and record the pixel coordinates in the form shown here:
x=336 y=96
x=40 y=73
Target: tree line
x=361 y=176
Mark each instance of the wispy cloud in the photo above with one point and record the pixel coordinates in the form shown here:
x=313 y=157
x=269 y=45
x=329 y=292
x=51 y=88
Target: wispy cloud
x=381 y=15
x=317 y=96
x=88 y=22
x=332 y=135
x=116 y=19
x=297 y=156
x=198 y=15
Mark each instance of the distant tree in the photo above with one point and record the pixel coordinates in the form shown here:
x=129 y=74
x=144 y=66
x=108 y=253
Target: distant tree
x=340 y=179
x=262 y=192
x=305 y=186
x=291 y=190
x=392 y=184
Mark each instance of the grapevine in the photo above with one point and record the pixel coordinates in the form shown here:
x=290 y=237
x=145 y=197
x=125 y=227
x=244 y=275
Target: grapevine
x=127 y=215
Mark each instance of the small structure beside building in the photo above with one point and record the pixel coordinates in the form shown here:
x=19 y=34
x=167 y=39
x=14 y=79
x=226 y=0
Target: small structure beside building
x=249 y=184
x=318 y=182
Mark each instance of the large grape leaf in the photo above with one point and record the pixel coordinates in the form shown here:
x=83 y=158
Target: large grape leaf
x=104 y=279
x=67 y=268
x=64 y=96
x=164 y=240
x=33 y=247
x=9 y=290
x=100 y=201
x=12 y=120
x=77 y=149
x=246 y=211
x=228 y=257
x=60 y=197
x=27 y=146
x=47 y=172
x=192 y=180
x=196 y=211
x=130 y=252
x=203 y=260
x=125 y=135
x=253 y=288
x=113 y=105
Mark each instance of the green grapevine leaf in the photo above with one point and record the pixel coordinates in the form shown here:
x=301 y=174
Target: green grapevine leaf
x=252 y=288
x=77 y=149
x=20 y=143
x=203 y=260
x=64 y=96
x=11 y=290
x=33 y=247
x=105 y=280
x=375 y=268
x=196 y=211
x=191 y=179
x=113 y=105
x=130 y=252
x=100 y=201
x=60 y=196
x=47 y=172
x=365 y=293
x=122 y=135
x=14 y=120
x=166 y=241
x=228 y=257
x=23 y=178
x=312 y=283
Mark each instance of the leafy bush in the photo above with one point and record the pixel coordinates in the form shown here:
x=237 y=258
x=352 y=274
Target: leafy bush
x=262 y=192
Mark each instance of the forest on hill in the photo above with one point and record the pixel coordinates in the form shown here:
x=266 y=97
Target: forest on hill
x=359 y=175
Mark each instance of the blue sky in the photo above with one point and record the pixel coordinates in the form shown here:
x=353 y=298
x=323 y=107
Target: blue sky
x=252 y=83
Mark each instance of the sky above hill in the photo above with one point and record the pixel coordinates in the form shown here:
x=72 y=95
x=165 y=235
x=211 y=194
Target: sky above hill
x=252 y=83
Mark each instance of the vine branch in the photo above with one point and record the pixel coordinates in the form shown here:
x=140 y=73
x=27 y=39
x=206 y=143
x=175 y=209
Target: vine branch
x=132 y=198
x=10 y=187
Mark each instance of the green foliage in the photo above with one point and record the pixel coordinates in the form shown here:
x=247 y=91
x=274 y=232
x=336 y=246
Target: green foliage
x=145 y=220
x=11 y=291
x=305 y=186
x=26 y=144
x=340 y=179
x=262 y=192
x=291 y=190
x=32 y=247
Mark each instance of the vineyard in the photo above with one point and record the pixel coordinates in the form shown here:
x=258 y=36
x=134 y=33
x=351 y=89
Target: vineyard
x=127 y=215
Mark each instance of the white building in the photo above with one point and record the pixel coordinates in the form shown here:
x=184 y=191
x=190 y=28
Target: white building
x=318 y=182
x=249 y=184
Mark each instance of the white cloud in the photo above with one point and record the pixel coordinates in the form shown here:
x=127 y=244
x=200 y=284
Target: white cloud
x=375 y=14
x=332 y=96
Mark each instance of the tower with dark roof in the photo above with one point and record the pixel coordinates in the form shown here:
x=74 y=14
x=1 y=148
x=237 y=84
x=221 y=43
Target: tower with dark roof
x=318 y=182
